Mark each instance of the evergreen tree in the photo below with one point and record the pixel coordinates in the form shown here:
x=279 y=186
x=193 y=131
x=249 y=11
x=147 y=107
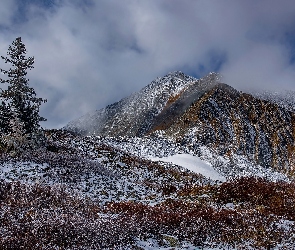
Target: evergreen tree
x=5 y=117
x=18 y=99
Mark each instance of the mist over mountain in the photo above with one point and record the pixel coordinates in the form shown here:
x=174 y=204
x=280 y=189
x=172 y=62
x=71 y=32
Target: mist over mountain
x=284 y=99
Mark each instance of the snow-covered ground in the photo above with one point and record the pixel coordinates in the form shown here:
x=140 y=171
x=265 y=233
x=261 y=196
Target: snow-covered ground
x=193 y=163
x=218 y=166
x=118 y=170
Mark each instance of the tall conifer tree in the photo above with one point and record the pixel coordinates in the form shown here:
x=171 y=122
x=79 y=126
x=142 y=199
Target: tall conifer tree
x=18 y=99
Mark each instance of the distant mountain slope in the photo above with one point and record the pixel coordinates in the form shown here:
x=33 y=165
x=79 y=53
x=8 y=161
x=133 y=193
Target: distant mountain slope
x=205 y=112
x=285 y=99
x=136 y=114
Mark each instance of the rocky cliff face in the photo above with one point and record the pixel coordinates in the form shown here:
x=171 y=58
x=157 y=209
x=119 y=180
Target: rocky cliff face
x=234 y=122
x=203 y=111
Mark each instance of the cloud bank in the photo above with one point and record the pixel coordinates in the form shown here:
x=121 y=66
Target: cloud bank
x=91 y=53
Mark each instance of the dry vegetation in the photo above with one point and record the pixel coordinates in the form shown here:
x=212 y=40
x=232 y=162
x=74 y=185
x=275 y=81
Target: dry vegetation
x=240 y=213
x=257 y=215
x=47 y=217
x=44 y=217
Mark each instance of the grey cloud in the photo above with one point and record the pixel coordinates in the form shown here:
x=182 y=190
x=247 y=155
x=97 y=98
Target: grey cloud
x=91 y=53
x=7 y=10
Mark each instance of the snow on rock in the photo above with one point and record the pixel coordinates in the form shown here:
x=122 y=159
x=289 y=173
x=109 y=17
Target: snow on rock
x=193 y=163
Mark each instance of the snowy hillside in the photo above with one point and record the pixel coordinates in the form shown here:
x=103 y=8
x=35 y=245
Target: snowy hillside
x=93 y=193
x=162 y=149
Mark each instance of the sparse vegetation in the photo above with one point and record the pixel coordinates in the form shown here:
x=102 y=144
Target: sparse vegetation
x=182 y=207
x=260 y=215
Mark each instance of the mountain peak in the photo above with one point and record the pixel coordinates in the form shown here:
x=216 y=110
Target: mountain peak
x=212 y=76
x=174 y=77
x=178 y=74
x=181 y=75
x=136 y=115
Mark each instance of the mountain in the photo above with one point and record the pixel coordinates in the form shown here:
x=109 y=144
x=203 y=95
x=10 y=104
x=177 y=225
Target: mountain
x=201 y=112
x=136 y=114
x=182 y=164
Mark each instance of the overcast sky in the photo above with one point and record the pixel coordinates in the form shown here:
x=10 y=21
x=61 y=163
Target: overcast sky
x=90 y=53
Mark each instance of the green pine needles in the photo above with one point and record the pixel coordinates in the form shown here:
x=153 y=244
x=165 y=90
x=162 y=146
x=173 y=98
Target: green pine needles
x=19 y=104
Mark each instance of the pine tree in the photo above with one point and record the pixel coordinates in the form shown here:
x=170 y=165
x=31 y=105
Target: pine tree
x=5 y=117
x=18 y=99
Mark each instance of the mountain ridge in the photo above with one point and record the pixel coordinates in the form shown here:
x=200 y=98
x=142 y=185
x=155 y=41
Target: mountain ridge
x=201 y=112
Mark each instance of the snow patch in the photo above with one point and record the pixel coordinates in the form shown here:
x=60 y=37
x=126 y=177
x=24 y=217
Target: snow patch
x=193 y=163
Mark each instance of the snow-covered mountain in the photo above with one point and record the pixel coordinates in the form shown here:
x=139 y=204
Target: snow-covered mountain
x=234 y=122
x=135 y=115
x=201 y=112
